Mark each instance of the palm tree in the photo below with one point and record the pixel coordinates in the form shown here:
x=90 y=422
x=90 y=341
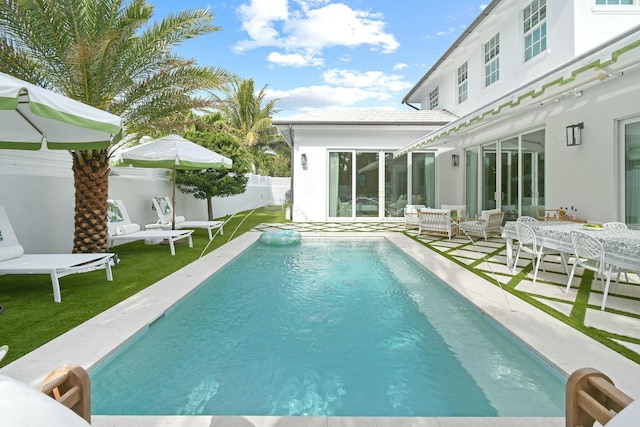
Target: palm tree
x=108 y=54
x=248 y=115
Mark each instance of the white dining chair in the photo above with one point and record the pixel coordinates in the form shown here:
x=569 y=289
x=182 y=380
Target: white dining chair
x=616 y=225
x=589 y=254
x=527 y=243
x=527 y=219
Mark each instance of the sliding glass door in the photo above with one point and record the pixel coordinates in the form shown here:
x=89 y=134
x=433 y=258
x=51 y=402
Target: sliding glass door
x=340 y=184
x=367 y=187
x=375 y=185
x=631 y=177
x=423 y=178
x=533 y=158
x=510 y=173
x=489 y=173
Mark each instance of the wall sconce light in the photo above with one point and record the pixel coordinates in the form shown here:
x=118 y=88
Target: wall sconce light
x=574 y=134
x=303 y=160
x=455 y=160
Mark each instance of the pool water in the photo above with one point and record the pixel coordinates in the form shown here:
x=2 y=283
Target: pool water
x=326 y=328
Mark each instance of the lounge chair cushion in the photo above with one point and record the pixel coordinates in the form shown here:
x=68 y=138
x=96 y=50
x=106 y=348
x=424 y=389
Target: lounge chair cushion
x=457 y=211
x=484 y=215
x=9 y=246
x=127 y=229
x=11 y=252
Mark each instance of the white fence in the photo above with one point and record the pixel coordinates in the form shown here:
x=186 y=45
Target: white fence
x=37 y=191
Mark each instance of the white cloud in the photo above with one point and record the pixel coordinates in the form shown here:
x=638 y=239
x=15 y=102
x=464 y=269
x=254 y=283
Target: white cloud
x=319 y=97
x=452 y=29
x=306 y=31
x=400 y=66
x=342 y=88
x=294 y=59
x=376 y=80
x=257 y=20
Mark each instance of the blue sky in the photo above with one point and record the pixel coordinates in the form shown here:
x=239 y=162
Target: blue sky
x=321 y=54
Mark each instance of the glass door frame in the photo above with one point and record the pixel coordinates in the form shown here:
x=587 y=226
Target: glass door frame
x=621 y=213
x=498 y=185
x=382 y=166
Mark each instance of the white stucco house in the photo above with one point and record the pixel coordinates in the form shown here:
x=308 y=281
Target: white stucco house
x=535 y=105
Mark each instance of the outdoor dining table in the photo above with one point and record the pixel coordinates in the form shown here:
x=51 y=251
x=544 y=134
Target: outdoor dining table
x=621 y=246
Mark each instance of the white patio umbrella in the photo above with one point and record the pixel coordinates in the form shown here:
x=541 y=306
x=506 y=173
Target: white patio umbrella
x=173 y=152
x=31 y=115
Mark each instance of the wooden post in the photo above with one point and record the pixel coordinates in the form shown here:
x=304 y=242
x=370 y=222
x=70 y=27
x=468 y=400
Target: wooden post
x=591 y=397
x=71 y=386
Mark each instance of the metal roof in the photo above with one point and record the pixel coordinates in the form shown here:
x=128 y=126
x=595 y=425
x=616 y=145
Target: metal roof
x=367 y=117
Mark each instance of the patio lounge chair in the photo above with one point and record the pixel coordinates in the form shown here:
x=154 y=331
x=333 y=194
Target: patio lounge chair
x=411 y=217
x=122 y=229
x=13 y=260
x=163 y=207
x=487 y=225
x=437 y=221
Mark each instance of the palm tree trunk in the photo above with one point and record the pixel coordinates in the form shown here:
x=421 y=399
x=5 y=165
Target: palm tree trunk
x=91 y=181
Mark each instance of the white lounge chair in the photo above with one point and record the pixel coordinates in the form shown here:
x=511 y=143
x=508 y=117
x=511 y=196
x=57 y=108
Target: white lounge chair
x=437 y=221
x=164 y=209
x=122 y=229
x=13 y=260
x=412 y=216
x=489 y=223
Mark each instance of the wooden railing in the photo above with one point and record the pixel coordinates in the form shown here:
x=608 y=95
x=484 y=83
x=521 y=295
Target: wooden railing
x=71 y=386
x=592 y=396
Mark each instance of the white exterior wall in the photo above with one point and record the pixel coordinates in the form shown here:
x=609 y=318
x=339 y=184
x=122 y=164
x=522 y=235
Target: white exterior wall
x=36 y=190
x=585 y=176
x=573 y=28
x=310 y=192
x=594 y=25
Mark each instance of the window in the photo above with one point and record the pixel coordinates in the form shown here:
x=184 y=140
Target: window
x=491 y=60
x=462 y=83
x=535 y=28
x=433 y=99
x=618 y=2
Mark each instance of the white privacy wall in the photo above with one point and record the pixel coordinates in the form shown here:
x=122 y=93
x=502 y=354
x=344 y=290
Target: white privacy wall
x=37 y=191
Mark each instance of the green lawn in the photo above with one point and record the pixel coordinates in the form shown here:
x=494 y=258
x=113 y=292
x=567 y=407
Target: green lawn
x=31 y=318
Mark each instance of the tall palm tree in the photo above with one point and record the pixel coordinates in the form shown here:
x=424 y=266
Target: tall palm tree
x=108 y=54
x=245 y=112
x=248 y=116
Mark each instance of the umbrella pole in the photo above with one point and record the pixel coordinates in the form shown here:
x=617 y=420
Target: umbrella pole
x=173 y=210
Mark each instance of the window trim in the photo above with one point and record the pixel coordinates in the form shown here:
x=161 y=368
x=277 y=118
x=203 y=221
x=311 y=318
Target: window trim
x=540 y=26
x=434 y=98
x=495 y=59
x=464 y=82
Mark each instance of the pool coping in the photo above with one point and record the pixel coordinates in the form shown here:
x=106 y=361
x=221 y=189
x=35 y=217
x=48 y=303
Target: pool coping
x=559 y=344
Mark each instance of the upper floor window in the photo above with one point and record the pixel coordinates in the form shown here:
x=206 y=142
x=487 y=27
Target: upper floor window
x=619 y=2
x=535 y=28
x=492 y=60
x=433 y=99
x=462 y=83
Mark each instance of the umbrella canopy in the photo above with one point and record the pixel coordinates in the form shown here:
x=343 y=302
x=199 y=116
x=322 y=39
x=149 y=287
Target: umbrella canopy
x=31 y=115
x=173 y=152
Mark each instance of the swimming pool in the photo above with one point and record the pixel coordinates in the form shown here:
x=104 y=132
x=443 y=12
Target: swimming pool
x=431 y=340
